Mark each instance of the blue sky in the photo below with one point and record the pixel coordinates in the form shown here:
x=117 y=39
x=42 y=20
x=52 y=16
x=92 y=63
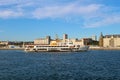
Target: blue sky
x=30 y=19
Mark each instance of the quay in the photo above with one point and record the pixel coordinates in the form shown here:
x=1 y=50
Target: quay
x=90 y=48
x=104 y=48
x=11 y=48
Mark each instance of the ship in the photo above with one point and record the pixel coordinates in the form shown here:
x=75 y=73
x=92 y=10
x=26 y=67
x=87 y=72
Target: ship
x=69 y=47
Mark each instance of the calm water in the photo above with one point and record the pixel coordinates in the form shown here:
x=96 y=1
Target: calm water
x=91 y=65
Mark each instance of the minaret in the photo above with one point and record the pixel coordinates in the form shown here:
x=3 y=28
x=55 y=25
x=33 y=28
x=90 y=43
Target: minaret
x=101 y=40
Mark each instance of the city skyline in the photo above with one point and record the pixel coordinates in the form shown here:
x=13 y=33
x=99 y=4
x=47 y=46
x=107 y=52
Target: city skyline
x=28 y=20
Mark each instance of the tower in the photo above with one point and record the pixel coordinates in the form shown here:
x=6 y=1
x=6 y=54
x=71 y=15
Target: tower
x=48 y=38
x=65 y=36
x=101 y=40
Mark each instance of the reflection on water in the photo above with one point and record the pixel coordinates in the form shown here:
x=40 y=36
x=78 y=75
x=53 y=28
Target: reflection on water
x=91 y=65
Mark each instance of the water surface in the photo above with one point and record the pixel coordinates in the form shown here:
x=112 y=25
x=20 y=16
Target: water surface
x=90 y=65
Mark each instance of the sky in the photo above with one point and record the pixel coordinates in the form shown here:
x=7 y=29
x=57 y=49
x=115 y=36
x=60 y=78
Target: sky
x=26 y=20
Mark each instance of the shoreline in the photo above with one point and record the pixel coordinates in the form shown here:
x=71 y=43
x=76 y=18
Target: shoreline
x=104 y=48
x=91 y=48
x=11 y=48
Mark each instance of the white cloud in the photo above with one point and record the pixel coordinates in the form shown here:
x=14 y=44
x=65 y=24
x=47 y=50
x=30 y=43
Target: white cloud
x=108 y=20
x=7 y=2
x=91 y=13
x=26 y=2
x=66 y=10
x=13 y=2
x=10 y=14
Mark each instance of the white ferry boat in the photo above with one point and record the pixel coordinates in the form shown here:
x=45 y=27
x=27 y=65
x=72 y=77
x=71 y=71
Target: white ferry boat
x=48 y=48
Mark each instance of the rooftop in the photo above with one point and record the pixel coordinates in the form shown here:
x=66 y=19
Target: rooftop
x=114 y=36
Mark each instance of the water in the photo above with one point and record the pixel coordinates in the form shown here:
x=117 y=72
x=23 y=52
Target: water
x=91 y=65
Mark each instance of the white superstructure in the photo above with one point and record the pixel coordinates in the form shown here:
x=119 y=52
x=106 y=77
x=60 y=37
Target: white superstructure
x=69 y=47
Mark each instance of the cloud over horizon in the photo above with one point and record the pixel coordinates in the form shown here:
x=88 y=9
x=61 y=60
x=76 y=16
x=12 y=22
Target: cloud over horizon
x=10 y=14
x=66 y=10
x=92 y=14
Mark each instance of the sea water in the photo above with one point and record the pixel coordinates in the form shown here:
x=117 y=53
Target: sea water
x=90 y=65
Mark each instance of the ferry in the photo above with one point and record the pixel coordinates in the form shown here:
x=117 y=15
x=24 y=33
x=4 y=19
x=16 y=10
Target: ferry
x=57 y=48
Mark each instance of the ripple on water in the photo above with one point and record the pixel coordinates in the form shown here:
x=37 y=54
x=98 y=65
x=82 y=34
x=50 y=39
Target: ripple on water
x=91 y=65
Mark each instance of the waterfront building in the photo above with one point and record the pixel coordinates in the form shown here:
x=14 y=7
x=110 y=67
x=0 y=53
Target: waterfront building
x=94 y=37
x=87 y=41
x=101 y=40
x=61 y=42
x=65 y=37
x=43 y=41
x=4 y=43
x=110 y=41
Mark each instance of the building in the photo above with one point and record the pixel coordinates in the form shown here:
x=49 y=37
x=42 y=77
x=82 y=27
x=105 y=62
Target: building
x=77 y=41
x=110 y=41
x=94 y=37
x=4 y=43
x=101 y=40
x=61 y=42
x=43 y=41
x=65 y=37
x=87 y=41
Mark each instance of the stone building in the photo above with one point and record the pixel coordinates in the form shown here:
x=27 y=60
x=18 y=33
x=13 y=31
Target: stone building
x=101 y=40
x=109 y=41
x=4 y=43
x=61 y=42
x=65 y=38
x=43 y=41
